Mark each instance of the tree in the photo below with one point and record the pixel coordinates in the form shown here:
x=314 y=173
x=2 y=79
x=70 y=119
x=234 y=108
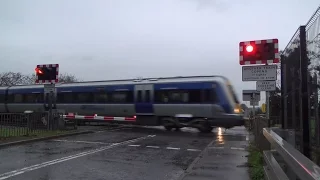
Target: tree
x=63 y=78
x=13 y=78
x=275 y=102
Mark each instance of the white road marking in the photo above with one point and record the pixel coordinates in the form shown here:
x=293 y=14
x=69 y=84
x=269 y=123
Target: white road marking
x=134 y=145
x=56 y=161
x=118 y=129
x=113 y=129
x=173 y=148
x=195 y=150
x=85 y=142
x=169 y=148
x=235 y=148
x=100 y=131
x=214 y=147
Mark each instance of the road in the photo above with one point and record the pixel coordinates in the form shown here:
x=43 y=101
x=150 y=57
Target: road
x=130 y=153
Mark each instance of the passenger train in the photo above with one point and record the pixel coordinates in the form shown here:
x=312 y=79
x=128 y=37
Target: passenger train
x=203 y=102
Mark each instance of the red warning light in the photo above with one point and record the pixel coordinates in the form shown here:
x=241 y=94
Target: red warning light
x=38 y=71
x=249 y=48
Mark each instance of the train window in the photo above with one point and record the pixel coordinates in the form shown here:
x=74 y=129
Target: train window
x=2 y=98
x=100 y=97
x=234 y=96
x=147 y=96
x=194 y=96
x=139 y=96
x=122 y=97
x=65 y=97
x=82 y=97
x=161 y=96
x=38 y=98
x=129 y=96
x=178 y=96
x=209 y=95
x=29 y=98
x=17 y=98
x=174 y=96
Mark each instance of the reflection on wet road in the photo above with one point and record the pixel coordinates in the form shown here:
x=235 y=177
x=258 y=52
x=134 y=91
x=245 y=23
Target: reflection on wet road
x=127 y=153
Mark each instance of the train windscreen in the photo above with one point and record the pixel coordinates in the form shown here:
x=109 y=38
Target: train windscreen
x=234 y=96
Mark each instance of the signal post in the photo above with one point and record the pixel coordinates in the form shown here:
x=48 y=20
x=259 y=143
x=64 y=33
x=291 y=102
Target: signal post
x=47 y=74
x=255 y=58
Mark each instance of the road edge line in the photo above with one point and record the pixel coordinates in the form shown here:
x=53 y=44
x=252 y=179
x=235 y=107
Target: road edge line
x=194 y=162
x=14 y=143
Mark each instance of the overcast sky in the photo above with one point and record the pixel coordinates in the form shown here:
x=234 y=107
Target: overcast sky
x=115 y=39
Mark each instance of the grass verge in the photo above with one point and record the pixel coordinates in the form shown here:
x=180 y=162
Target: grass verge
x=9 y=135
x=255 y=162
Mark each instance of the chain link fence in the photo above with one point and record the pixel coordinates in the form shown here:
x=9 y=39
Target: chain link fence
x=299 y=99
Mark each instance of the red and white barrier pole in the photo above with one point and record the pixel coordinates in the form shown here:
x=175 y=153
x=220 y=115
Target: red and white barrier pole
x=103 y=118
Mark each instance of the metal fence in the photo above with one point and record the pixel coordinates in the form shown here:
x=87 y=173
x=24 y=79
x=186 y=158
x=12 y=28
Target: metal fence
x=300 y=66
x=27 y=124
x=255 y=126
x=282 y=161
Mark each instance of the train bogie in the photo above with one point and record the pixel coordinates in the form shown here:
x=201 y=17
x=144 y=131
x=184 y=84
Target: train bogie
x=196 y=110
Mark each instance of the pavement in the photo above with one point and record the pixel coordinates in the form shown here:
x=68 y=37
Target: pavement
x=130 y=153
x=223 y=159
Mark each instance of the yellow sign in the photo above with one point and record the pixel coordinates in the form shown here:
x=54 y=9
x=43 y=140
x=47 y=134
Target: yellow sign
x=264 y=108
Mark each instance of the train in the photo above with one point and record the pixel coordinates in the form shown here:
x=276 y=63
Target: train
x=202 y=102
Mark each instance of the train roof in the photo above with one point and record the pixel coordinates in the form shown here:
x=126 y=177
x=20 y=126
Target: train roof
x=133 y=81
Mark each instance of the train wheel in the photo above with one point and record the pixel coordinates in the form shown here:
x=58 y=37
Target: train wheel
x=205 y=128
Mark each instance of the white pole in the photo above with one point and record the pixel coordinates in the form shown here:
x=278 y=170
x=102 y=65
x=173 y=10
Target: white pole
x=268 y=105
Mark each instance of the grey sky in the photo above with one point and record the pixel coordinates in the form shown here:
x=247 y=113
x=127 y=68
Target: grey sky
x=112 y=39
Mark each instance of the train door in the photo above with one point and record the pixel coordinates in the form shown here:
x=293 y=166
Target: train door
x=144 y=99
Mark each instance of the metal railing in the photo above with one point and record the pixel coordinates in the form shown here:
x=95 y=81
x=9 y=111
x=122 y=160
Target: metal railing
x=27 y=123
x=284 y=161
x=22 y=124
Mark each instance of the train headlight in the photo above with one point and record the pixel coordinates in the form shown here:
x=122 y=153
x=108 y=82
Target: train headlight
x=237 y=109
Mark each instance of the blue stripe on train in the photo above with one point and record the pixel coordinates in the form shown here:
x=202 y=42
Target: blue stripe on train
x=184 y=85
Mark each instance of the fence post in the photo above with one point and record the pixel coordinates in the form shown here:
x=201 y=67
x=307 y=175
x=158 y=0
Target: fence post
x=284 y=104
x=304 y=88
x=316 y=109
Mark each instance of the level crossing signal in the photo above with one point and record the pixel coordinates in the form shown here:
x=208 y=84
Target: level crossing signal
x=259 y=52
x=47 y=73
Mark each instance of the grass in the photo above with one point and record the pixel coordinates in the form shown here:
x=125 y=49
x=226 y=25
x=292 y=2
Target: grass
x=8 y=134
x=255 y=162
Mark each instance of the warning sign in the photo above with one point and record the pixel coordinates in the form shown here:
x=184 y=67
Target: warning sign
x=259 y=73
x=266 y=85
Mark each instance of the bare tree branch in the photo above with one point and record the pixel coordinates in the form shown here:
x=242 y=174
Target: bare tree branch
x=12 y=78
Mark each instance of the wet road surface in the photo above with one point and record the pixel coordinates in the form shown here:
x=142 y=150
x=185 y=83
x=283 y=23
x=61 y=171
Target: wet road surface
x=130 y=153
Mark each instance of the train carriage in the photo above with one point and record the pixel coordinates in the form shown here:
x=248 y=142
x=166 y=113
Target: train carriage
x=198 y=101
